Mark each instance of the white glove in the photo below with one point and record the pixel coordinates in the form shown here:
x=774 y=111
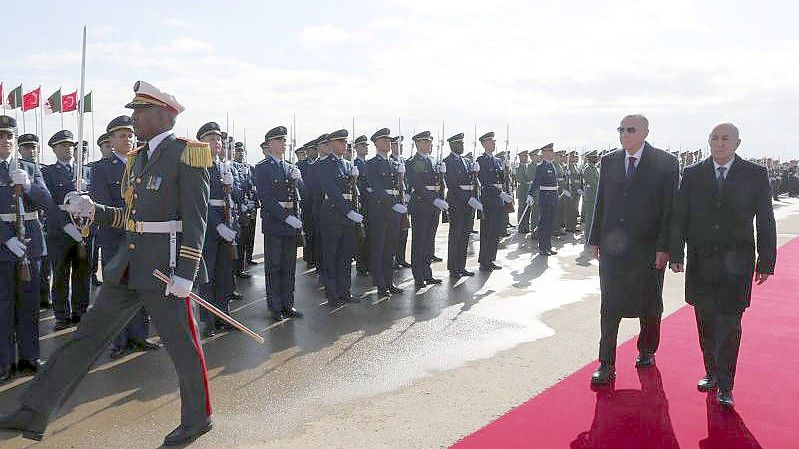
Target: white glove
x=354 y=172
x=77 y=204
x=73 y=232
x=474 y=204
x=530 y=199
x=401 y=168
x=251 y=204
x=580 y=191
x=227 y=178
x=506 y=198
x=294 y=222
x=406 y=197
x=355 y=216
x=400 y=208
x=476 y=167
x=567 y=194
x=225 y=232
x=15 y=246
x=441 y=204
x=441 y=168
x=19 y=177
x=294 y=173
x=178 y=286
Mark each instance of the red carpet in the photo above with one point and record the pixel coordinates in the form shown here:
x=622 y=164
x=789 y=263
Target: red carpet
x=661 y=408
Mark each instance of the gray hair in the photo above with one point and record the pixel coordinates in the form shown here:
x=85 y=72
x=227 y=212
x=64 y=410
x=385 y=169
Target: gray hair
x=729 y=125
x=641 y=117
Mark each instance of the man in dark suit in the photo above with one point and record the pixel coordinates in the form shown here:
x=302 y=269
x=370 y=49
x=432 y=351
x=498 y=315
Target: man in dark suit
x=637 y=185
x=718 y=200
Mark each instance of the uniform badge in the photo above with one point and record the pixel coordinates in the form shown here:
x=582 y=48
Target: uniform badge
x=154 y=183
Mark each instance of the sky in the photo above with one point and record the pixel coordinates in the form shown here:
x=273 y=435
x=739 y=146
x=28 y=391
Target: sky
x=533 y=72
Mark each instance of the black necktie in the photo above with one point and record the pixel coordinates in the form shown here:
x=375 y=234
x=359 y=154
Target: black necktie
x=720 y=178
x=630 y=167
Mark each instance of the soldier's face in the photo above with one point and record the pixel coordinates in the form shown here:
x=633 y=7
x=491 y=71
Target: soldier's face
x=239 y=155
x=548 y=155
x=456 y=146
x=313 y=153
x=277 y=147
x=215 y=141
x=29 y=151
x=63 y=151
x=489 y=145
x=362 y=149
x=425 y=147
x=723 y=142
x=105 y=149
x=338 y=147
x=149 y=122
x=301 y=156
x=523 y=158
x=6 y=143
x=122 y=140
x=383 y=145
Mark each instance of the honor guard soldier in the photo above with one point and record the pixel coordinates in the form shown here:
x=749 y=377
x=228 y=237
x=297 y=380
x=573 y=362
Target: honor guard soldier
x=361 y=147
x=461 y=177
x=166 y=203
x=21 y=184
x=315 y=197
x=523 y=178
x=28 y=145
x=248 y=208
x=560 y=208
x=309 y=224
x=491 y=175
x=68 y=250
x=573 y=187
x=544 y=191
x=402 y=241
x=590 y=181
x=385 y=212
x=277 y=183
x=339 y=219
x=425 y=208
x=220 y=248
x=104 y=144
x=105 y=188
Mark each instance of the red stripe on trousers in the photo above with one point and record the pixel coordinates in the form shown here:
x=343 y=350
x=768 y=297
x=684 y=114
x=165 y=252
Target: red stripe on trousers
x=199 y=349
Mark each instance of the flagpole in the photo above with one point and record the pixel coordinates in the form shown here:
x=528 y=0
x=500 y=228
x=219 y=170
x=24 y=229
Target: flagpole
x=81 y=107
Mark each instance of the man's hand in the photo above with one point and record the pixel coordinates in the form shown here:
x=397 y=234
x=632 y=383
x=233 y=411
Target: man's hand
x=677 y=267
x=72 y=231
x=355 y=216
x=77 y=204
x=227 y=178
x=400 y=208
x=355 y=172
x=595 y=251
x=19 y=177
x=476 y=167
x=295 y=173
x=225 y=232
x=178 y=286
x=530 y=199
x=661 y=259
x=441 y=204
x=475 y=204
x=761 y=277
x=16 y=246
x=506 y=198
x=294 y=222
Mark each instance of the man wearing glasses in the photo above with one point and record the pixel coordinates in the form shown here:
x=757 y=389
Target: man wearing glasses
x=630 y=230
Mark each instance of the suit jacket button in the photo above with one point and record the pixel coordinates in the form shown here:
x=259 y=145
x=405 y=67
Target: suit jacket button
x=716 y=227
x=621 y=220
x=131 y=246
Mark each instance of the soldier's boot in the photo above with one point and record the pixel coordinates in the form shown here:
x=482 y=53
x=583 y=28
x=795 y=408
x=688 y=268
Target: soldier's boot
x=32 y=424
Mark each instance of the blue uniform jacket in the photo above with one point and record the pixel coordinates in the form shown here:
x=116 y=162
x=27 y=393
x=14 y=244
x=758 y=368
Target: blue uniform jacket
x=37 y=198
x=274 y=186
x=105 y=188
x=492 y=173
x=458 y=174
x=544 y=176
x=382 y=175
x=420 y=174
x=59 y=182
x=334 y=180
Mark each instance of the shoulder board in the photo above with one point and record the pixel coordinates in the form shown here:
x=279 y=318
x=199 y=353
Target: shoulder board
x=196 y=154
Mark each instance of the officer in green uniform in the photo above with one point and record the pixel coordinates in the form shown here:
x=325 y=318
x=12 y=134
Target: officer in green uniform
x=559 y=222
x=590 y=180
x=523 y=178
x=166 y=204
x=572 y=199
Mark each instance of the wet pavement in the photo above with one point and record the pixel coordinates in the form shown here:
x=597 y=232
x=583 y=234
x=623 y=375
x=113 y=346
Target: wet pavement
x=332 y=361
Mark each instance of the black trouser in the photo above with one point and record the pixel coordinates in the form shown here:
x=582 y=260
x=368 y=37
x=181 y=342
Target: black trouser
x=70 y=263
x=422 y=243
x=281 y=261
x=383 y=235
x=648 y=339
x=402 y=245
x=19 y=314
x=461 y=220
x=719 y=338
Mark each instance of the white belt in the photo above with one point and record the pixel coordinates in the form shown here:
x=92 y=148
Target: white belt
x=499 y=186
x=171 y=227
x=10 y=218
x=468 y=187
x=433 y=188
x=62 y=207
x=369 y=189
x=286 y=204
x=392 y=191
x=548 y=188
x=220 y=203
x=346 y=196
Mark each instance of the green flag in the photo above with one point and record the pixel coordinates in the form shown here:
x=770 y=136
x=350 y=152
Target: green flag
x=14 y=99
x=87 y=103
x=53 y=103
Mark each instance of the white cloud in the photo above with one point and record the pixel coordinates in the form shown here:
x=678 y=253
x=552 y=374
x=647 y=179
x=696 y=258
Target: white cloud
x=176 y=23
x=324 y=35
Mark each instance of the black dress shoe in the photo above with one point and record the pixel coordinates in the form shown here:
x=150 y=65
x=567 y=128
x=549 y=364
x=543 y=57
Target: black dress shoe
x=432 y=281
x=604 y=375
x=495 y=266
x=725 y=398
x=278 y=316
x=435 y=258
x=5 y=374
x=484 y=267
x=243 y=275
x=236 y=296
x=144 y=345
x=403 y=264
x=706 y=383
x=454 y=274
x=292 y=313
x=394 y=289
x=383 y=293
x=252 y=262
x=29 y=367
x=419 y=285
x=644 y=359
x=96 y=282
x=61 y=325
x=117 y=353
x=27 y=421
x=210 y=331
x=467 y=273
x=185 y=434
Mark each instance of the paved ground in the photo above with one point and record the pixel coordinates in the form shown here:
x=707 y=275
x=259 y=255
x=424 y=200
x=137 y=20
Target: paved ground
x=417 y=371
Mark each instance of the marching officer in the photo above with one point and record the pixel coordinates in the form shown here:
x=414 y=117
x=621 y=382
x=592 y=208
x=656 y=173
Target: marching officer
x=385 y=212
x=590 y=181
x=544 y=191
x=20 y=256
x=523 y=178
x=277 y=184
x=425 y=208
x=28 y=145
x=306 y=204
x=461 y=177
x=494 y=199
x=220 y=248
x=105 y=188
x=68 y=250
x=339 y=218
x=166 y=202
x=361 y=147
x=248 y=209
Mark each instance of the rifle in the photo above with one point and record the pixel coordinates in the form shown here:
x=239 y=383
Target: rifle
x=442 y=183
x=23 y=263
x=84 y=224
x=405 y=222
x=227 y=212
x=294 y=198
x=506 y=183
x=357 y=206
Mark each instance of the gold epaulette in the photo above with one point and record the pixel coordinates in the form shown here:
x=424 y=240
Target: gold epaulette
x=196 y=154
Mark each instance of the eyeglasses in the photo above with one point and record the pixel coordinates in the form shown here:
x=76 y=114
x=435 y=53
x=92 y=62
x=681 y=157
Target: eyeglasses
x=630 y=130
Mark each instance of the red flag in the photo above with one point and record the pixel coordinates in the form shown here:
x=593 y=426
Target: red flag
x=69 y=102
x=31 y=100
